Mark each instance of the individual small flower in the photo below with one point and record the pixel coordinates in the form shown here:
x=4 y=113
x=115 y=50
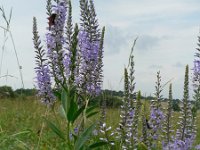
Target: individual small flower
x=76 y=130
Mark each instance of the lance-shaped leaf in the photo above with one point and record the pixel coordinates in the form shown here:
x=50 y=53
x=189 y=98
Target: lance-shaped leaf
x=82 y=139
x=55 y=129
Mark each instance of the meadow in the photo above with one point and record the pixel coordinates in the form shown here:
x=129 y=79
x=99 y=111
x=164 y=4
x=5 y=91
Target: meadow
x=22 y=119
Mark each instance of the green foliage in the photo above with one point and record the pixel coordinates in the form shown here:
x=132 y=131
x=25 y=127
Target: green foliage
x=112 y=101
x=25 y=92
x=175 y=105
x=97 y=144
x=6 y=92
x=55 y=129
x=82 y=139
x=72 y=113
x=114 y=93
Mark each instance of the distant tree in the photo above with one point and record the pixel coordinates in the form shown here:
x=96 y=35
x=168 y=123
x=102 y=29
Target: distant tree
x=25 y=92
x=6 y=92
x=175 y=105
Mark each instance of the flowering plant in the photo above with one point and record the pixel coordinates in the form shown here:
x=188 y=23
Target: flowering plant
x=72 y=61
x=69 y=72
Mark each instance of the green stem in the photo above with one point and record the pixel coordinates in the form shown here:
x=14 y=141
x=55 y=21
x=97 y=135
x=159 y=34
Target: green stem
x=84 y=112
x=54 y=113
x=68 y=133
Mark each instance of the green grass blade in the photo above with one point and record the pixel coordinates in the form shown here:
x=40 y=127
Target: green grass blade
x=77 y=114
x=64 y=99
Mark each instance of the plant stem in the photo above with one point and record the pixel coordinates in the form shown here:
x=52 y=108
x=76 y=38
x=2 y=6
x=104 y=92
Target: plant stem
x=84 y=112
x=43 y=124
x=68 y=134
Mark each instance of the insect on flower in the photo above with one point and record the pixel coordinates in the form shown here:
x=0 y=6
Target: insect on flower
x=51 y=20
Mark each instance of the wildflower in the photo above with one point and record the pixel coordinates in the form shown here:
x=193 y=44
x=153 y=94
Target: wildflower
x=90 y=28
x=186 y=132
x=89 y=60
x=42 y=70
x=167 y=125
x=44 y=84
x=55 y=41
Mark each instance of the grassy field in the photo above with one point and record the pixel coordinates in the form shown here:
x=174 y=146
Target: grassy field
x=22 y=123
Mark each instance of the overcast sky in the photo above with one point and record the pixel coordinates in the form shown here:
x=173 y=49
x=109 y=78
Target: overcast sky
x=167 y=31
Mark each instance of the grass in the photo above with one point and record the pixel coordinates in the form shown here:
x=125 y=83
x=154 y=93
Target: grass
x=21 y=123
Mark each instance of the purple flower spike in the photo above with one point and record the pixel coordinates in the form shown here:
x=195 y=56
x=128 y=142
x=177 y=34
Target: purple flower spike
x=43 y=78
x=44 y=84
x=88 y=67
x=55 y=41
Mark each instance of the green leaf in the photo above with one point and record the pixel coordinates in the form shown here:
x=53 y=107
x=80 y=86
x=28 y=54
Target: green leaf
x=57 y=94
x=62 y=111
x=55 y=129
x=92 y=114
x=91 y=108
x=75 y=136
x=98 y=144
x=77 y=114
x=84 y=137
x=64 y=100
x=72 y=91
x=72 y=110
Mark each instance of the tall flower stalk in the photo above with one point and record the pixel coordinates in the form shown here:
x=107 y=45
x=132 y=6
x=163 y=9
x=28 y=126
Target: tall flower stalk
x=92 y=54
x=124 y=116
x=156 y=115
x=69 y=25
x=105 y=133
x=55 y=41
x=135 y=124
x=196 y=77
x=185 y=110
x=89 y=61
x=145 y=125
x=167 y=125
x=127 y=131
x=42 y=70
x=185 y=134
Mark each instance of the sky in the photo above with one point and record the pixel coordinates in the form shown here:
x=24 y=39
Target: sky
x=167 y=33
